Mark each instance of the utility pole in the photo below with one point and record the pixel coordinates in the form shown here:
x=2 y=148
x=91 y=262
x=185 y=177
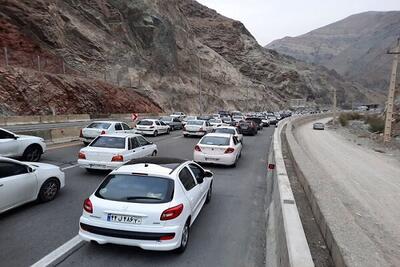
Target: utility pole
x=387 y=136
x=6 y=56
x=200 y=100
x=334 y=106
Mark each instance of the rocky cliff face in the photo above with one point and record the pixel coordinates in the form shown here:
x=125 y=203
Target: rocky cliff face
x=165 y=50
x=355 y=47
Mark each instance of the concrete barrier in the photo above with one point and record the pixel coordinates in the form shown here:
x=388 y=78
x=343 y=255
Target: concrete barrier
x=18 y=120
x=347 y=243
x=286 y=241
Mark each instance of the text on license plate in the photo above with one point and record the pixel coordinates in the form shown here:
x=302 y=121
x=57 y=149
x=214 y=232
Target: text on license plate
x=124 y=219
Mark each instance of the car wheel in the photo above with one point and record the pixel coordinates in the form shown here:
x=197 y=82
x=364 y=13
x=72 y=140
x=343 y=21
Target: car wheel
x=168 y=131
x=155 y=133
x=209 y=194
x=184 y=238
x=154 y=153
x=49 y=190
x=32 y=153
x=185 y=135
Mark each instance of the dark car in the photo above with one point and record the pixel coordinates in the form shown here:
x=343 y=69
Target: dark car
x=247 y=127
x=257 y=121
x=172 y=122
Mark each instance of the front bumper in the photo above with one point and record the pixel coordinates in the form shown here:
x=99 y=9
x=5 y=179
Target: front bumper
x=99 y=165
x=146 y=238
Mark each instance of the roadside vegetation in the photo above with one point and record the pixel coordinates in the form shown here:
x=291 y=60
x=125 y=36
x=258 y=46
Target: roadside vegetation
x=376 y=123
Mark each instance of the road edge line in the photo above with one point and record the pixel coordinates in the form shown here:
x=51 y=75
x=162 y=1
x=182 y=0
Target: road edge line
x=60 y=253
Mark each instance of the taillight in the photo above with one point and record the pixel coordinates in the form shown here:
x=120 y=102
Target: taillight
x=87 y=206
x=118 y=158
x=171 y=213
x=81 y=155
x=103 y=132
x=197 y=148
x=167 y=237
x=229 y=150
x=81 y=134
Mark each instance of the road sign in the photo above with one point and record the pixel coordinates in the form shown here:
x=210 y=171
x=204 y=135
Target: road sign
x=134 y=116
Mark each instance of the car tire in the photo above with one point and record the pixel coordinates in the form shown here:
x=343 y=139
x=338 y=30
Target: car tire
x=155 y=133
x=209 y=194
x=185 y=135
x=32 y=153
x=154 y=153
x=184 y=238
x=168 y=131
x=49 y=190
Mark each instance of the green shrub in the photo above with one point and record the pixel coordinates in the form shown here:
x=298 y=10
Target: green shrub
x=344 y=118
x=376 y=124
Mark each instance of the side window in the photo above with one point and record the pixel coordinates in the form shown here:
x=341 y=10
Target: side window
x=197 y=171
x=118 y=127
x=5 y=135
x=176 y=120
x=10 y=169
x=186 y=179
x=125 y=126
x=162 y=123
x=133 y=143
x=235 y=141
x=157 y=123
x=142 y=141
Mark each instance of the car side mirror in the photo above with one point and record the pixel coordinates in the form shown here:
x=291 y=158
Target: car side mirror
x=208 y=174
x=16 y=137
x=200 y=180
x=30 y=169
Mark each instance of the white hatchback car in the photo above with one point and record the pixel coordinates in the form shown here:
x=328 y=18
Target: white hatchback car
x=197 y=128
x=29 y=148
x=218 y=148
x=110 y=151
x=149 y=203
x=90 y=132
x=151 y=127
x=22 y=182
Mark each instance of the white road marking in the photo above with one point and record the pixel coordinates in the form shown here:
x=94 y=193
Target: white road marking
x=69 y=167
x=59 y=254
x=177 y=137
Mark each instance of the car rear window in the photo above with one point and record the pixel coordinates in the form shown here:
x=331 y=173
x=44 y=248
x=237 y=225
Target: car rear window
x=99 y=125
x=215 y=141
x=166 y=119
x=195 y=123
x=109 y=142
x=145 y=123
x=136 y=188
x=225 y=130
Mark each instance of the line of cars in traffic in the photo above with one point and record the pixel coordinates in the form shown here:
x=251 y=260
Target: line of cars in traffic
x=145 y=201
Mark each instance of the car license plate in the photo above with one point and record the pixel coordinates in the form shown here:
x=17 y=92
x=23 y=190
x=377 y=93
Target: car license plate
x=124 y=219
x=212 y=159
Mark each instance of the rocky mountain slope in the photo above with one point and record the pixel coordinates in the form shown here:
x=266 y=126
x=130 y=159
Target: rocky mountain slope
x=355 y=47
x=164 y=50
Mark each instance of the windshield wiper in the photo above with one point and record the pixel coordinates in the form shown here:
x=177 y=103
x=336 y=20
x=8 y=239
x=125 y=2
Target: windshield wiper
x=142 y=197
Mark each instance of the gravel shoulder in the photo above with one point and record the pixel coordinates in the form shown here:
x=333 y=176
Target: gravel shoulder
x=366 y=182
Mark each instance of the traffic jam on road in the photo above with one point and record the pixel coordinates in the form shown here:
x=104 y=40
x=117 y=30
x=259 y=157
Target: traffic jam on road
x=145 y=194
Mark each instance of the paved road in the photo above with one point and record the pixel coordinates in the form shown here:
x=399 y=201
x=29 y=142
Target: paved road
x=228 y=232
x=367 y=183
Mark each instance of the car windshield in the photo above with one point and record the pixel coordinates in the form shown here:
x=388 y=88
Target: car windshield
x=225 y=130
x=136 y=188
x=166 y=119
x=109 y=142
x=215 y=121
x=215 y=141
x=99 y=125
x=145 y=123
x=237 y=117
x=195 y=123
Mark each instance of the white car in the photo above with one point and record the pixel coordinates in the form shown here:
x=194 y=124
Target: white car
x=265 y=121
x=29 y=148
x=237 y=118
x=218 y=148
x=110 y=151
x=216 y=123
x=230 y=130
x=22 y=182
x=151 y=127
x=90 y=132
x=189 y=118
x=149 y=203
x=197 y=128
x=179 y=115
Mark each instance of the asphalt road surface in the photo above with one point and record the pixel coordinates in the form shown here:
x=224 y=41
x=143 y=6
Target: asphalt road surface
x=230 y=231
x=365 y=181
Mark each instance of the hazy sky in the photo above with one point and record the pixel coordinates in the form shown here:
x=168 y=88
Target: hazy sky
x=268 y=20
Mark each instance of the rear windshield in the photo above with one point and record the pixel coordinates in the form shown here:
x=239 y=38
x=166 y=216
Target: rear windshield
x=99 y=125
x=215 y=121
x=215 y=140
x=237 y=117
x=145 y=123
x=109 y=142
x=136 y=189
x=166 y=118
x=225 y=130
x=195 y=123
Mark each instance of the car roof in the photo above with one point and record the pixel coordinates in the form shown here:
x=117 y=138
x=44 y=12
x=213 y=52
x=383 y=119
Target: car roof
x=153 y=165
x=120 y=135
x=219 y=135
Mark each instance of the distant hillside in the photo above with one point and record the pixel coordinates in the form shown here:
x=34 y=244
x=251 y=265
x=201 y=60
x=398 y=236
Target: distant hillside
x=355 y=47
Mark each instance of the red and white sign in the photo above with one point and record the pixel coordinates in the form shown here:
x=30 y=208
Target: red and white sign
x=134 y=116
